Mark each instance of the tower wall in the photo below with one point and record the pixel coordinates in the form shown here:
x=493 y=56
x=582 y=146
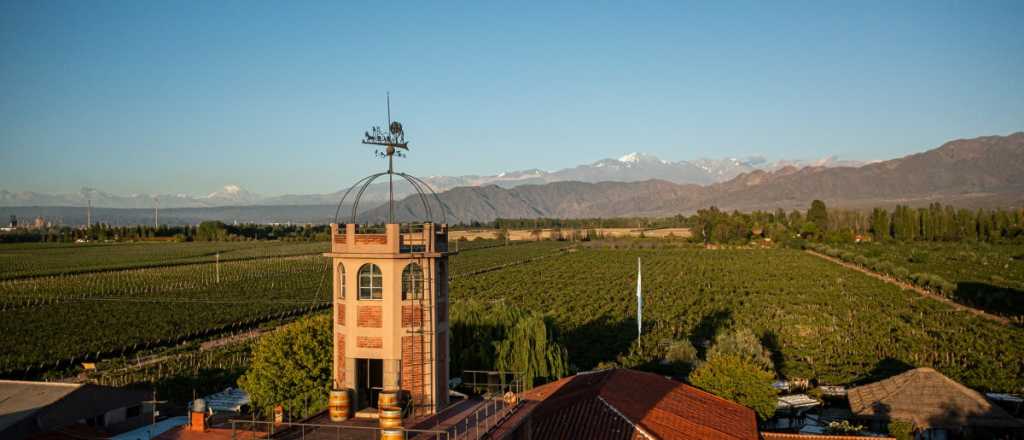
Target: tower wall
x=409 y=336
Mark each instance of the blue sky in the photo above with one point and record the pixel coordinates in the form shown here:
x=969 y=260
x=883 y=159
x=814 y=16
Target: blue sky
x=162 y=97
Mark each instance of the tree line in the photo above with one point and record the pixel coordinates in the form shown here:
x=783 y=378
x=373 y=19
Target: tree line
x=205 y=231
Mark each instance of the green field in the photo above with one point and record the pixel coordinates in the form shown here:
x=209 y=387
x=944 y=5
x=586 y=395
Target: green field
x=53 y=318
x=36 y=259
x=484 y=258
x=1000 y=265
x=986 y=276
x=822 y=320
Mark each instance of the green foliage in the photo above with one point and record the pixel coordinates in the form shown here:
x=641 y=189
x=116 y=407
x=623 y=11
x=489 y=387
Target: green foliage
x=211 y=231
x=733 y=378
x=681 y=352
x=901 y=429
x=113 y=312
x=743 y=344
x=844 y=427
x=831 y=324
x=818 y=215
x=501 y=337
x=291 y=366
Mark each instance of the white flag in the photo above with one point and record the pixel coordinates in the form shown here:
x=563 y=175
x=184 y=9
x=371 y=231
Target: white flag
x=639 y=301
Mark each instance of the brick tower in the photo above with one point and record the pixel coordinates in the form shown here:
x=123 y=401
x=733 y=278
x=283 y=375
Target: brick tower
x=391 y=297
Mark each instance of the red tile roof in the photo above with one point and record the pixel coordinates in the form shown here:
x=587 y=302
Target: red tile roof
x=622 y=403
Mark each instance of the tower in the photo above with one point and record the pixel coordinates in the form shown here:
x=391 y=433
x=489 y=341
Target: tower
x=390 y=319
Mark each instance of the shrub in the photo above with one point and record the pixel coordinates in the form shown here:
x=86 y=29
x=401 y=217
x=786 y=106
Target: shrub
x=901 y=429
x=901 y=273
x=292 y=367
x=743 y=344
x=681 y=352
x=733 y=378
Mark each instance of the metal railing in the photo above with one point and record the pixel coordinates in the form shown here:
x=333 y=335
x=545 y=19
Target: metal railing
x=249 y=429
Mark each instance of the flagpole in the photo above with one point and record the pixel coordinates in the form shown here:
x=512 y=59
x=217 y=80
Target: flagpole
x=639 y=300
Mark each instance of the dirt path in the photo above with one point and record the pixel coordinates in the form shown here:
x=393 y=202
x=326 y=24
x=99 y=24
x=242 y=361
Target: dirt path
x=923 y=292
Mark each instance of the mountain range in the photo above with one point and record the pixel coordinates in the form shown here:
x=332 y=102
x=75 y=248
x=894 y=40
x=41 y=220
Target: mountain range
x=978 y=172
x=633 y=167
x=984 y=171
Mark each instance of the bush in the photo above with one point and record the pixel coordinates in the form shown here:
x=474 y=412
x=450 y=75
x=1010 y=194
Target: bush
x=733 y=378
x=681 y=352
x=901 y=429
x=901 y=273
x=743 y=344
x=292 y=367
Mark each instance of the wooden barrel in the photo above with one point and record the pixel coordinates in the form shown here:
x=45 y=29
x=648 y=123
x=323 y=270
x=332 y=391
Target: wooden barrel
x=387 y=399
x=390 y=417
x=392 y=434
x=338 y=405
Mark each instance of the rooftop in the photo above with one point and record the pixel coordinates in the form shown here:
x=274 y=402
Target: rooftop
x=929 y=400
x=607 y=405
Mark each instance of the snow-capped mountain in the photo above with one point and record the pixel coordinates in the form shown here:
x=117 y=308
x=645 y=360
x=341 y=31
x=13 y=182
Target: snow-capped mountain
x=632 y=167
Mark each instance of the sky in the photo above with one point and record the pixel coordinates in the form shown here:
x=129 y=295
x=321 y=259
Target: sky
x=188 y=96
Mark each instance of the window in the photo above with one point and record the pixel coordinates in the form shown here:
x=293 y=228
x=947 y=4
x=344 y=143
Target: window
x=341 y=279
x=412 y=282
x=370 y=282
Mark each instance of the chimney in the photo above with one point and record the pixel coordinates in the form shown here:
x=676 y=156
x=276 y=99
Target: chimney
x=197 y=417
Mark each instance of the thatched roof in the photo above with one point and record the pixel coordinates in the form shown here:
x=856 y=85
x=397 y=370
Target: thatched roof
x=929 y=400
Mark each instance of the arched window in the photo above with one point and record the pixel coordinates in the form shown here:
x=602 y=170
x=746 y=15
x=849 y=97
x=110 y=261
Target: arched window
x=341 y=281
x=370 y=282
x=412 y=282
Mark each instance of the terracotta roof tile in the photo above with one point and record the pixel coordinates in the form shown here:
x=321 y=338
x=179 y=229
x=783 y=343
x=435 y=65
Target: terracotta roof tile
x=613 y=403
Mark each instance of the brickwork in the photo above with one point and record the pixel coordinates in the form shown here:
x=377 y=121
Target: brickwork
x=339 y=375
x=370 y=316
x=414 y=376
x=371 y=239
x=412 y=315
x=369 y=342
x=341 y=313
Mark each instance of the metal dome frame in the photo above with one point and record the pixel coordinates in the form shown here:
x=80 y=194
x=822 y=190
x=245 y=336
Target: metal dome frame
x=417 y=184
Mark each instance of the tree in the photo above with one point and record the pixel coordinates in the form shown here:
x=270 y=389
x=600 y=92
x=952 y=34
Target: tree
x=211 y=231
x=292 y=367
x=488 y=336
x=744 y=344
x=818 y=215
x=682 y=355
x=880 y=224
x=731 y=377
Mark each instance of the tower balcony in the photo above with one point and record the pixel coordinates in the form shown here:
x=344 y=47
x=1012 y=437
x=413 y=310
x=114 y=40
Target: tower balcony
x=390 y=239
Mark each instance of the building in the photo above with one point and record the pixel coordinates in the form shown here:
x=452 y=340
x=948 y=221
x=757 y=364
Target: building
x=628 y=405
x=391 y=313
x=32 y=408
x=938 y=407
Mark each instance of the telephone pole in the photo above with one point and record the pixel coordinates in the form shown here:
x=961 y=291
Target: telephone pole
x=156 y=214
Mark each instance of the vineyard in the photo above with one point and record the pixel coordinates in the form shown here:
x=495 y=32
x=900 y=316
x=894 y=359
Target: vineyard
x=476 y=260
x=822 y=321
x=983 y=276
x=1001 y=265
x=37 y=259
x=54 y=319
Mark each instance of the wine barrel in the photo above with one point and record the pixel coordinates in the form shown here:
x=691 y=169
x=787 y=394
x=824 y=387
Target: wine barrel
x=387 y=399
x=392 y=434
x=338 y=405
x=390 y=417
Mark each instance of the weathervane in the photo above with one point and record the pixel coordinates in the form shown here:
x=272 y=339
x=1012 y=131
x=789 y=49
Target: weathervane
x=392 y=140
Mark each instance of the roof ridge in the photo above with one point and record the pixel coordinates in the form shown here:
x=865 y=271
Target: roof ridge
x=623 y=416
x=972 y=394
